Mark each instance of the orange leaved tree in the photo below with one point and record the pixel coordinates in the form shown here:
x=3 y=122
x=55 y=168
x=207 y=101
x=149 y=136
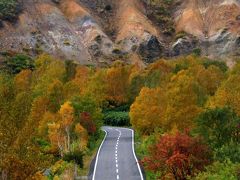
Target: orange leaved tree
x=67 y=114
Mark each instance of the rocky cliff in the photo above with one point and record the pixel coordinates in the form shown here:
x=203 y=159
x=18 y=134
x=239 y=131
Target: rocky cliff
x=100 y=31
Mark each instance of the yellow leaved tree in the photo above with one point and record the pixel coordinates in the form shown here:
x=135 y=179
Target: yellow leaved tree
x=117 y=83
x=228 y=94
x=148 y=110
x=67 y=115
x=183 y=100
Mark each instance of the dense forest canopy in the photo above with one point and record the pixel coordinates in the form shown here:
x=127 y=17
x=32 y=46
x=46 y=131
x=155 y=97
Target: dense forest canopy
x=51 y=112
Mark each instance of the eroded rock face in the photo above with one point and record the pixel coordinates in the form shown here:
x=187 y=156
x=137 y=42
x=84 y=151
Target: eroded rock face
x=184 y=46
x=214 y=22
x=43 y=27
x=71 y=30
x=96 y=31
x=151 y=49
x=94 y=39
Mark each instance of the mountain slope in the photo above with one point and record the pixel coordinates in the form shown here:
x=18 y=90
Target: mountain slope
x=97 y=32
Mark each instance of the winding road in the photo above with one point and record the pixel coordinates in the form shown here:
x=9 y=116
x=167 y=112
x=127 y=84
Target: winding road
x=116 y=159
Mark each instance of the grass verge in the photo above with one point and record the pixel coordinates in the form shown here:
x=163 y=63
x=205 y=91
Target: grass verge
x=89 y=156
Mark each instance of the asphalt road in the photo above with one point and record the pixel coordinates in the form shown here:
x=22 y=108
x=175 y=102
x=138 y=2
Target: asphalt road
x=116 y=159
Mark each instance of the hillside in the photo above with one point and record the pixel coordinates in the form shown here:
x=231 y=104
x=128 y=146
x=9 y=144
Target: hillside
x=98 y=32
x=159 y=77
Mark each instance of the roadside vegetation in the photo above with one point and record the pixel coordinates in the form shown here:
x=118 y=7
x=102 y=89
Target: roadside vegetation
x=185 y=113
x=188 y=125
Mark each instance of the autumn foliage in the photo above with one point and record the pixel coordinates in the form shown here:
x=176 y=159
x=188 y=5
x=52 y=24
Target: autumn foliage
x=148 y=110
x=38 y=123
x=178 y=156
x=88 y=123
x=56 y=109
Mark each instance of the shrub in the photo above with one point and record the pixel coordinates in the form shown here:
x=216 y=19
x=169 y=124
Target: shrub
x=220 y=171
x=124 y=108
x=197 y=52
x=114 y=118
x=177 y=156
x=221 y=65
x=180 y=67
x=9 y=9
x=70 y=67
x=18 y=63
x=76 y=156
x=91 y=111
x=87 y=122
x=230 y=151
x=218 y=126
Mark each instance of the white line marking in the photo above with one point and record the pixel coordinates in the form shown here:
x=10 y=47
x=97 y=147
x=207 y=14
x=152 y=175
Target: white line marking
x=133 y=150
x=116 y=161
x=95 y=166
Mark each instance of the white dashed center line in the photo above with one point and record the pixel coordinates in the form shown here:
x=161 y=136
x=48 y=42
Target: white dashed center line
x=116 y=153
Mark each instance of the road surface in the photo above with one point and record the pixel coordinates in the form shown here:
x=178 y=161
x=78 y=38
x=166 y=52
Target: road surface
x=116 y=159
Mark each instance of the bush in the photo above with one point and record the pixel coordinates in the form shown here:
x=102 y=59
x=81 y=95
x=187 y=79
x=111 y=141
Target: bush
x=86 y=110
x=197 y=52
x=16 y=64
x=70 y=67
x=9 y=9
x=180 y=67
x=221 y=171
x=218 y=126
x=230 y=151
x=177 y=156
x=221 y=65
x=76 y=156
x=87 y=122
x=114 y=118
x=124 y=108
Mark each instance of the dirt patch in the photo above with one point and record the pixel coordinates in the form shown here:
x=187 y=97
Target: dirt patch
x=131 y=21
x=104 y=11
x=72 y=9
x=205 y=18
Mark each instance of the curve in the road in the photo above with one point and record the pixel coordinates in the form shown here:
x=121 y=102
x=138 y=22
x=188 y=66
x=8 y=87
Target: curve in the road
x=96 y=161
x=121 y=166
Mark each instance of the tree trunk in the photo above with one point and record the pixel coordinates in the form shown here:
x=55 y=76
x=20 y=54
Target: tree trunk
x=75 y=170
x=68 y=139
